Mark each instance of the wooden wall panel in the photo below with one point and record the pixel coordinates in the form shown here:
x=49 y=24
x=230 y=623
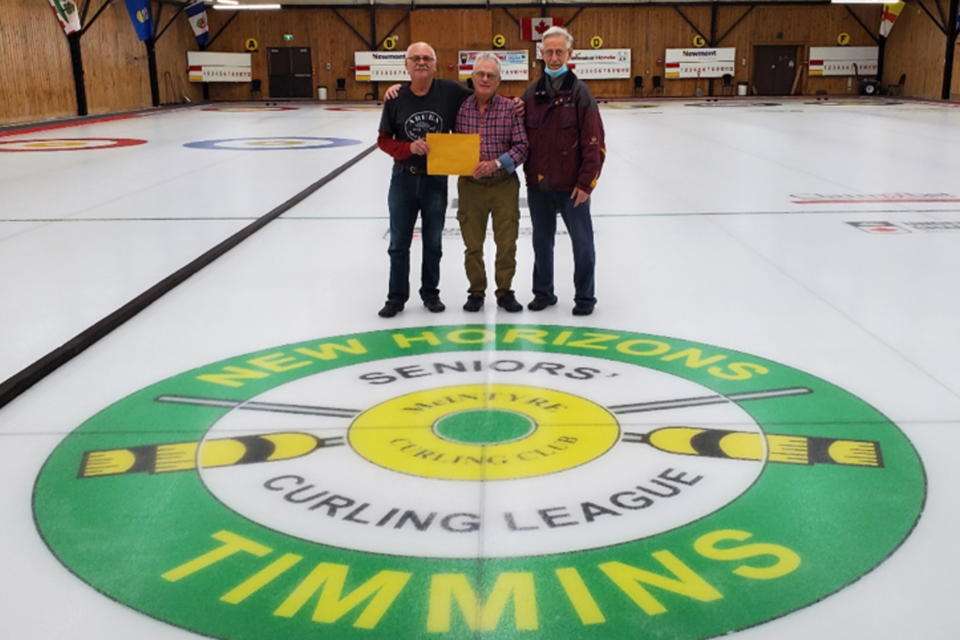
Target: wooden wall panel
x=955 y=85
x=917 y=47
x=659 y=29
x=506 y=23
x=36 y=80
x=115 y=64
x=796 y=25
x=172 y=48
x=448 y=31
x=329 y=37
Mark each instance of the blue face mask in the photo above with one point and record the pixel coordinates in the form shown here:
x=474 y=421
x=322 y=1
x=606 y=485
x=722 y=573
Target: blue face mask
x=555 y=74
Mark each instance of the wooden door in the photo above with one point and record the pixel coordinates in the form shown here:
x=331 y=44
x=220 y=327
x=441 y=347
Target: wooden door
x=775 y=69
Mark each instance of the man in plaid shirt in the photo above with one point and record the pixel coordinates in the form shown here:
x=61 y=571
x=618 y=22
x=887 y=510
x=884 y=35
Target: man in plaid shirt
x=494 y=188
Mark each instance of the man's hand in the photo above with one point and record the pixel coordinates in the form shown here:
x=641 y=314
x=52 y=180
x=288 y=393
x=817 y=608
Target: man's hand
x=579 y=196
x=392 y=91
x=519 y=106
x=419 y=147
x=484 y=169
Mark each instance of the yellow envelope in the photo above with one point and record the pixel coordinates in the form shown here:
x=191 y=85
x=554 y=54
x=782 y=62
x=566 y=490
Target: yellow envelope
x=453 y=154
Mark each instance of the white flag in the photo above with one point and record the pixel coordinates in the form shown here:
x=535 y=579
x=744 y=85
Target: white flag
x=67 y=14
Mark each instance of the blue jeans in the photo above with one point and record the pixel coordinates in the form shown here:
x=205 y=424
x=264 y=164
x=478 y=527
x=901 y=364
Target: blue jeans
x=544 y=206
x=412 y=194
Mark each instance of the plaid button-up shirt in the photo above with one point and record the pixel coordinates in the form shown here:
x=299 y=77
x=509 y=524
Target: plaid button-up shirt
x=502 y=134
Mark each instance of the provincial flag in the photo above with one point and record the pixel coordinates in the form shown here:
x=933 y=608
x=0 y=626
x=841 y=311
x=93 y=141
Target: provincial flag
x=888 y=17
x=67 y=14
x=197 y=15
x=533 y=28
x=139 y=11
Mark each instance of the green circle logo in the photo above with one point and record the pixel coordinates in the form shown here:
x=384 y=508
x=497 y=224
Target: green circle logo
x=484 y=426
x=526 y=481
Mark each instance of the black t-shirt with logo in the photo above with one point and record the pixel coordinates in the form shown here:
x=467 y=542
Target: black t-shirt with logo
x=410 y=117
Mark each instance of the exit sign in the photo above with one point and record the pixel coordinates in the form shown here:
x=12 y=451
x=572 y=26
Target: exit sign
x=287 y=37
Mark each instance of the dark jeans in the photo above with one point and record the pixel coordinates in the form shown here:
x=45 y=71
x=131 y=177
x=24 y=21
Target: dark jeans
x=409 y=196
x=544 y=206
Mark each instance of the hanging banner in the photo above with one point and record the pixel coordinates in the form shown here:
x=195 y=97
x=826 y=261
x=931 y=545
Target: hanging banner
x=514 y=65
x=67 y=14
x=600 y=64
x=197 y=15
x=204 y=66
x=534 y=28
x=700 y=63
x=844 y=61
x=888 y=17
x=374 y=66
x=139 y=11
x=597 y=64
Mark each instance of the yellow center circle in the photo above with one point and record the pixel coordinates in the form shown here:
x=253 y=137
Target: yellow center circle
x=476 y=432
x=56 y=144
x=275 y=143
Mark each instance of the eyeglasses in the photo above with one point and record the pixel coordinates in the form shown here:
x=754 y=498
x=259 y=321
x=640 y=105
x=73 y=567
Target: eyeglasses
x=483 y=75
x=419 y=59
x=549 y=53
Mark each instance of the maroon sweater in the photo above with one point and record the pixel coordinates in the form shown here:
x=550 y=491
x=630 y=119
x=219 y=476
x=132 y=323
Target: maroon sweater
x=566 y=136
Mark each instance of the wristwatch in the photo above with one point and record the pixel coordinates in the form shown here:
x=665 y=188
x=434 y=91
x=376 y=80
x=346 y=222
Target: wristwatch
x=499 y=164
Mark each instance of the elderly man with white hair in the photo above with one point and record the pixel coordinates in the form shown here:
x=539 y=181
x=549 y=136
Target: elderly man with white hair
x=566 y=154
x=493 y=190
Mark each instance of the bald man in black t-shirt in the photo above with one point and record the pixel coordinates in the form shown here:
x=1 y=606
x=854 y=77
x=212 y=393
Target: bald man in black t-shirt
x=426 y=105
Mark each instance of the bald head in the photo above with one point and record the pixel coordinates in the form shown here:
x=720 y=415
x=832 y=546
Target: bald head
x=421 y=48
x=421 y=65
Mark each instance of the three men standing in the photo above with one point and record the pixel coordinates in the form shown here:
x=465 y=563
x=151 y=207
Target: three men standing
x=566 y=154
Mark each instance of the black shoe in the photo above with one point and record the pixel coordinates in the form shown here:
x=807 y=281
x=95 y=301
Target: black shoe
x=474 y=302
x=391 y=309
x=508 y=302
x=539 y=304
x=434 y=305
x=582 y=309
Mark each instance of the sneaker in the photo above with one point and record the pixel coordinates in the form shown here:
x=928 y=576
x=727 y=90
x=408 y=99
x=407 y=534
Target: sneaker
x=539 y=304
x=434 y=305
x=508 y=302
x=582 y=309
x=474 y=302
x=390 y=309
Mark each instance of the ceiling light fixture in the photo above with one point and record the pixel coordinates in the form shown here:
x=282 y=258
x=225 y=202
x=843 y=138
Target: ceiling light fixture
x=230 y=7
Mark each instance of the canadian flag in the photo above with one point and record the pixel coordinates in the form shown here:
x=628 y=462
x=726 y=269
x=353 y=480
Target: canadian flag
x=533 y=28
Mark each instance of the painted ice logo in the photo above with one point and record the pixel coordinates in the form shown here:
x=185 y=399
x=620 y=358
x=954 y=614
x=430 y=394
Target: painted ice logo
x=291 y=143
x=882 y=228
x=528 y=481
x=871 y=198
x=421 y=123
x=66 y=144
